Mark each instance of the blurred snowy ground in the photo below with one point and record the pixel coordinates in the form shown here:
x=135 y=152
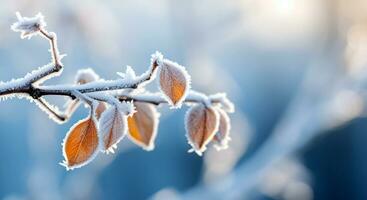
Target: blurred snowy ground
x=258 y=51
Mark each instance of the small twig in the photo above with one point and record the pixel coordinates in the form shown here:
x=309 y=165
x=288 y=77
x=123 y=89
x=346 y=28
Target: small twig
x=55 y=56
x=51 y=111
x=54 y=50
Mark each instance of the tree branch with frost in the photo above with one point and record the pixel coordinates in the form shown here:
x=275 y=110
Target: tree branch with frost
x=119 y=107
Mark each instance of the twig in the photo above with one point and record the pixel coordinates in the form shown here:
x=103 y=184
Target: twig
x=50 y=110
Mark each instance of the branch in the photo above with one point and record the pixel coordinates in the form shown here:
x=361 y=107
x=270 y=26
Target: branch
x=174 y=86
x=192 y=97
x=24 y=85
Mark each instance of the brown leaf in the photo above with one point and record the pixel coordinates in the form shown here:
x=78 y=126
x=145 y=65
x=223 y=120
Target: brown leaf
x=143 y=125
x=81 y=144
x=174 y=82
x=221 y=138
x=201 y=125
x=113 y=127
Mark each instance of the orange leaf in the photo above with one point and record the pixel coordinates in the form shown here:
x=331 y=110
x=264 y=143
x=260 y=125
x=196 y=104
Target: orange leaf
x=221 y=138
x=81 y=144
x=113 y=127
x=174 y=82
x=143 y=125
x=201 y=125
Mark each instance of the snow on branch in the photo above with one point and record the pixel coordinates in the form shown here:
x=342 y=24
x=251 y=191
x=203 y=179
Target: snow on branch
x=28 y=26
x=118 y=107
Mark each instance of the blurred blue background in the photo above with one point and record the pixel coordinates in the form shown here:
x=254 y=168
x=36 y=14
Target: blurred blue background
x=294 y=69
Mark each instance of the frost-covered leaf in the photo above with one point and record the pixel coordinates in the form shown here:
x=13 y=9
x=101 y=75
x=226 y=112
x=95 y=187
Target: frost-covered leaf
x=113 y=127
x=201 y=125
x=174 y=82
x=28 y=26
x=221 y=138
x=81 y=144
x=84 y=76
x=143 y=125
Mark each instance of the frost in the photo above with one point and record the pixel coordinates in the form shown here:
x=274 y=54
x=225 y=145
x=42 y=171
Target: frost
x=157 y=58
x=222 y=138
x=85 y=76
x=45 y=107
x=91 y=157
x=138 y=108
x=36 y=75
x=225 y=103
x=223 y=144
x=86 y=99
x=43 y=73
x=28 y=26
x=143 y=96
x=112 y=127
x=201 y=124
x=143 y=125
x=175 y=82
x=155 y=61
x=195 y=96
x=125 y=107
x=95 y=86
x=129 y=74
x=70 y=107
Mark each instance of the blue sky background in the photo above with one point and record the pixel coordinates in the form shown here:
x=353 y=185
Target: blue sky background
x=261 y=53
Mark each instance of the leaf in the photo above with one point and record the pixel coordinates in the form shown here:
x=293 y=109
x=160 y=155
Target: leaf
x=174 y=82
x=83 y=76
x=143 y=125
x=81 y=144
x=100 y=109
x=113 y=127
x=221 y=138
x=201 y=125
x=70 y=107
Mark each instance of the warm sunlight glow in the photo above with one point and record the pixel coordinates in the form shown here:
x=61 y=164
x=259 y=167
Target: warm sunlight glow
x=277 y=23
